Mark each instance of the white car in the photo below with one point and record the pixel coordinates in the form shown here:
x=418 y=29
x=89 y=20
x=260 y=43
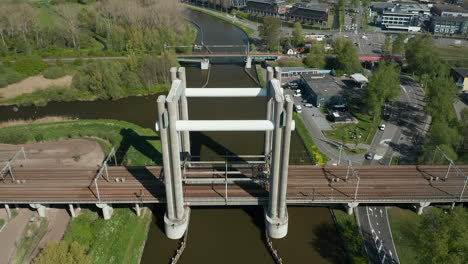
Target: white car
x=382 y=127
x=297 y=108
x=297 y=94
x=308 y=105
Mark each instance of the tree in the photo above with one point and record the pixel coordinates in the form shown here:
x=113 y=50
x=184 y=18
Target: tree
x=63 y=253
x=388 y=48
x=347 y=60
x=71 y=26
x=398 y=44
x=316 y=56
x=443 y=236
x=298 y=38
x=423 y=59
x=270 y=32
x=384 y=84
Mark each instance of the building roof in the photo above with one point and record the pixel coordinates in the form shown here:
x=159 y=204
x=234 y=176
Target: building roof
x=358 y=77
x=461 y=71
x=314 y=7
x=451 y=8
x=450 y=18
x=323 y=84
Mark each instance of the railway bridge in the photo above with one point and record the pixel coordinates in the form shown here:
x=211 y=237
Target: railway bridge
x=187 y=180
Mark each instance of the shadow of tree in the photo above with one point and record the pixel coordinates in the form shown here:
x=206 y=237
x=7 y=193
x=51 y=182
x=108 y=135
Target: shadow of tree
x=328 y=244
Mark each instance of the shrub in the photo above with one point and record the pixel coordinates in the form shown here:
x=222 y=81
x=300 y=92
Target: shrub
x=59 y=63
x=78 y=62
x=54 y=73
x=3 y=82
x=30 y=66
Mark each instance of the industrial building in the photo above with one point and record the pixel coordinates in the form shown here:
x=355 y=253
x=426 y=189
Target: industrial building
x=322 y=89
x=316 y=14
x=449 y=25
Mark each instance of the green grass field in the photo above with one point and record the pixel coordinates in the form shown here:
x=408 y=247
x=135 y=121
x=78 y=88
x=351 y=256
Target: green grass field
x=453 y=51
x=2 y=222
x=136 y=146
x=118 y=240
x=365 y=128
x=404 y=222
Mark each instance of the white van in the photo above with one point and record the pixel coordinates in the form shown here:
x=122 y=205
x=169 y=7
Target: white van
x=298 y=108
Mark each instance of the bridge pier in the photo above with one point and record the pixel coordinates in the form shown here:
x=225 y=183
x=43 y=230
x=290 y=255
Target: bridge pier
x=41 y=209
x=107 y=210
x=72 y=210
x=175 y=228
x=350 y=207
x=137 y=209
x=421 y=206
x=205 y=64
x=277 y=227
x=248 y=62
x=8 y=211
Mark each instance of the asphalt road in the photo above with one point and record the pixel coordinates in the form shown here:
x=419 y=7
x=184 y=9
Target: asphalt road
x=375 y=229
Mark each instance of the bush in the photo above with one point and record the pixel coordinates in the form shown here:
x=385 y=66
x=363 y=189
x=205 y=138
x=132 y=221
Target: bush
x=3 y=82
x=59 y=63
x=42 y=97
x=30 y=66
x=78 y=62
x=54 y=73
x=63 y=252
x=9 y=76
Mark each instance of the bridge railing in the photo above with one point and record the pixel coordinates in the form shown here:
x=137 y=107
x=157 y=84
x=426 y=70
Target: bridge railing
x=103 y=169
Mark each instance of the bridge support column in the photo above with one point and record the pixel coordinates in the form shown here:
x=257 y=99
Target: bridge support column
x=350 y=207
x=184 y=112
x=205 y=64
x=107 y=210
x=175 y=228
x=72 y=210
x=421 y=206
x=41 y=209
x=276 y=227
x=248 y=62
x=137 y=209
x=8 y=211
x=269 y=110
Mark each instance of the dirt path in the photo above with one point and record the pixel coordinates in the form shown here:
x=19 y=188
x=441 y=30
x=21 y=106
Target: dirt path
x=12 y=233
x=62 y=153
x=33 y=84
x=58 y=223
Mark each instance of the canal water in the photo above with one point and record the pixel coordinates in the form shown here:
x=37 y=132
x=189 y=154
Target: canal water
x=216 y=235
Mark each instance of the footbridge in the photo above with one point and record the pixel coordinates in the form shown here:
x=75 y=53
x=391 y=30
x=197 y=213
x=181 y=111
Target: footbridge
x=187 y=180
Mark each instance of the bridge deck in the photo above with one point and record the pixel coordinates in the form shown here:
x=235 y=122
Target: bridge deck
x=307 y=184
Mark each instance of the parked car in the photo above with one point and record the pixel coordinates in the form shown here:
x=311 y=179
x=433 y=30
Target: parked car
x=382 y=127
x=308 y=105
x=297 y=94
x=369 y=156
x=298 y=108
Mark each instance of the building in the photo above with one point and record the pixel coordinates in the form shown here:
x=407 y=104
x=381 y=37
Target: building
x=322 y=89
x=408 y=17
x=316 y=14
x=449 y=24
x=449 y=10
x=296 y=71
x=461 y=77
x=272 y=8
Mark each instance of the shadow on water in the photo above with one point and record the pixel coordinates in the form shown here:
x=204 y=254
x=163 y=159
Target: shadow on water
x=327 y=243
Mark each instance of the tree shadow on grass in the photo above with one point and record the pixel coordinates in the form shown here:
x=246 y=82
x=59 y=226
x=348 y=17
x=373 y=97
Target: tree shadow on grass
x=328 y=244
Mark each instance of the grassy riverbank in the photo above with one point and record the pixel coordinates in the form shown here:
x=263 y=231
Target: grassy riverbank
x=349 y=233
x=32 y=235
x=314 y=153
x=118 y=240
x=248 y=31
x=404 y=223
x=135 y=145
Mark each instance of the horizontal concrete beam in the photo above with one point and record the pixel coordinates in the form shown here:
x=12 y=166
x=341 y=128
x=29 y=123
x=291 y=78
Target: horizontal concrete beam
x=224 y=125
x=226 y=92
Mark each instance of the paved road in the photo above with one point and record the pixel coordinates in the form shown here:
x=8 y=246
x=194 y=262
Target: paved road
x=375 y=229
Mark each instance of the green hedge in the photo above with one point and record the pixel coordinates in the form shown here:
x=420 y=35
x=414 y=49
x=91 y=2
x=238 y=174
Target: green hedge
x=30 y=66
x=136 y=146
x=54 y=73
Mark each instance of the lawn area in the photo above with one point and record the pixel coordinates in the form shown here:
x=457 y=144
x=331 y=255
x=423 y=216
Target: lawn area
x=314 y=153
x=349 y=233
x=452 y=51
x=135 y=145
x=365 y=128
x=32 y=235
x=261 y=79
x=118 y=240
x=404 y=222
x=2 y=222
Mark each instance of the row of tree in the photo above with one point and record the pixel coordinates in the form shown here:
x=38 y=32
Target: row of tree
x=132 y=26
